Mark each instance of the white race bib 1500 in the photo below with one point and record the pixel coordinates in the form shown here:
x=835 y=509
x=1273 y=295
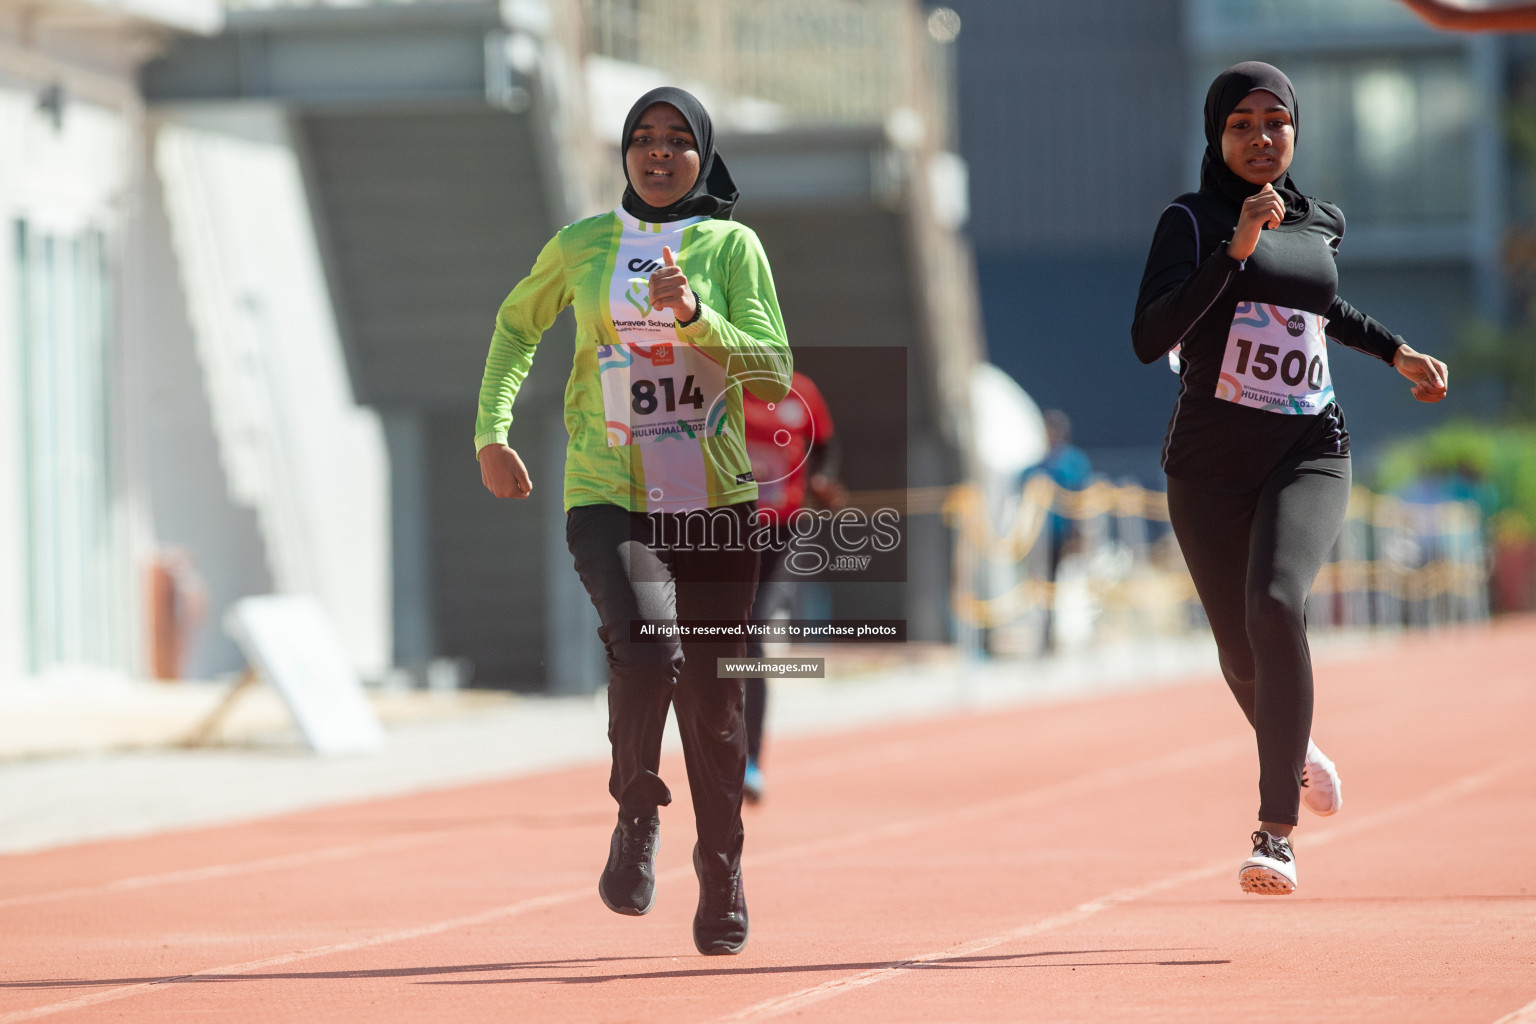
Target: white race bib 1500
x=1276 y=360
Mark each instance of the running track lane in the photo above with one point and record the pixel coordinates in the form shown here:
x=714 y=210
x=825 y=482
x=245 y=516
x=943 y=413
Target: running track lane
x=1067 y=863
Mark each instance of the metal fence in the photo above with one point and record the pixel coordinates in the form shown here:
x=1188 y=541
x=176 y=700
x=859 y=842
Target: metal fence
x=819 y=61
x=1048 y=566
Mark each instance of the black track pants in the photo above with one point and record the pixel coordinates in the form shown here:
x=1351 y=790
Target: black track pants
x=1253 y=558
x=629 y=576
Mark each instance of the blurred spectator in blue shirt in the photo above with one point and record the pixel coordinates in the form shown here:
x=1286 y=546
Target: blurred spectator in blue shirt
x=1068 y=466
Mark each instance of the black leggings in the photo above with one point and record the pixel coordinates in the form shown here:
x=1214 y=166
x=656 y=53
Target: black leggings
x=1253 y=558
x=629 y=576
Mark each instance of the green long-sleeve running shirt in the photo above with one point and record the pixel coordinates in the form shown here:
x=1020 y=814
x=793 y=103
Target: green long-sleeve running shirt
x=653 y=410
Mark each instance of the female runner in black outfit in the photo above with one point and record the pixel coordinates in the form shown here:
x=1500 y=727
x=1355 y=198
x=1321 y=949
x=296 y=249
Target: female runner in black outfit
x=1256 y=453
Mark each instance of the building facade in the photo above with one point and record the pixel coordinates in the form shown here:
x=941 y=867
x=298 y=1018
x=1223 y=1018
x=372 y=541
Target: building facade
x=1081 y=120
x=71 y=146
x=179 y=430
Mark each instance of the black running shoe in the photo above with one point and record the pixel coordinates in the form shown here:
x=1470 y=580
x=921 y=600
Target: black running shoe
x=1271 y=871
x=720 y=924
x=628 y=883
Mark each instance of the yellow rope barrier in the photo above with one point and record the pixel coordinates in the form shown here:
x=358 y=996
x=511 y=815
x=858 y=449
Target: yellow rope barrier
x=964 y=509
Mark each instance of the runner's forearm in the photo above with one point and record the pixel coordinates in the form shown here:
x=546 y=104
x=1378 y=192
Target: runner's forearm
x=1348 y=326
x=523 y=318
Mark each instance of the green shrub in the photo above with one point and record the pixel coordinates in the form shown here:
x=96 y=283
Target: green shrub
x=1499 y=462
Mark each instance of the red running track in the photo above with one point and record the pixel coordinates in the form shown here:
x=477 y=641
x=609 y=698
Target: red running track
x=1068 y=863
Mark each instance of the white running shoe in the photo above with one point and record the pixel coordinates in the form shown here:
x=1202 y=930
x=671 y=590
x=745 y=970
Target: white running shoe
x=1320 y=786
x=1271 y=871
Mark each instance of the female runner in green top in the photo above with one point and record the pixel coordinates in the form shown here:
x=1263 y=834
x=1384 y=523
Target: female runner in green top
x=675 y=312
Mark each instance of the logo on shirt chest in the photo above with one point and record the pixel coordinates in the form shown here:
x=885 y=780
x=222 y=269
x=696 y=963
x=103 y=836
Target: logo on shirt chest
x=639 y=295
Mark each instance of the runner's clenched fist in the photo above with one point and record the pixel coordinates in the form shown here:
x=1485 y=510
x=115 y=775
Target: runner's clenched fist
x=1263 y=209
x=503 y=473
x=1430 y=376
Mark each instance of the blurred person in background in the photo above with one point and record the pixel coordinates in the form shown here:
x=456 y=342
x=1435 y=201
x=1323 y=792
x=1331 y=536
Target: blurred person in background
x=794 y=453
x=675 y=310
x=1241 y=277
x=1069 y=469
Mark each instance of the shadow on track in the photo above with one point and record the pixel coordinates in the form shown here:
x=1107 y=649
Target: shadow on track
x=949 y=963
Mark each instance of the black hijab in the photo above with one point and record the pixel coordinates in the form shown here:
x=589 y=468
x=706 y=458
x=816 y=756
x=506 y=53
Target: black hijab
x=1226 y=92
x=713 y=195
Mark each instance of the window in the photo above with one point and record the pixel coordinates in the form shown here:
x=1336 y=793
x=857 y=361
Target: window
x=1387 y=138
x=75 y=577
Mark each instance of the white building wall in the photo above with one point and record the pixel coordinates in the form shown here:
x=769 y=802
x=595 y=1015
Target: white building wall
x=185 y=495
x=293 y=443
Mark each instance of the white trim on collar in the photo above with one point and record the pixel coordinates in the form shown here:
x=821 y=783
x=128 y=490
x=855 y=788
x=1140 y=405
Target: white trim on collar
x=650 y=227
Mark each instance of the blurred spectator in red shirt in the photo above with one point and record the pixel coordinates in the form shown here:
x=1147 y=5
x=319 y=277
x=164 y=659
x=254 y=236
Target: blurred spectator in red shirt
x=794 y=456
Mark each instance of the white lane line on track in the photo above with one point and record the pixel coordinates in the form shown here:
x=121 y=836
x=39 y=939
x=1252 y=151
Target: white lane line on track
x=1107 y=778
x=798 y=1000
x=401 y=935
x=326 y=854
x=1188 y=758
x=305 y=858
x=1525 y=1015
x=891 y=752
x=898 y=751
x=1151 y=768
